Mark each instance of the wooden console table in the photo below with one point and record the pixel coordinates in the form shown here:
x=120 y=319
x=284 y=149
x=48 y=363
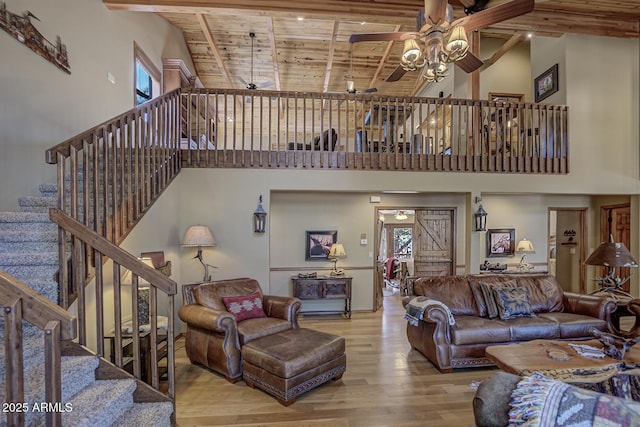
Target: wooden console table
x=324 y=287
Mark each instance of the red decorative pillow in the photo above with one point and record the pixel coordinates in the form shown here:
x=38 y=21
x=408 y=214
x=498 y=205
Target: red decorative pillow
x=244 y=307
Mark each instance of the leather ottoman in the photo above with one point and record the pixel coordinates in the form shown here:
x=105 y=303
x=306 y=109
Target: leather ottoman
x=293 y=362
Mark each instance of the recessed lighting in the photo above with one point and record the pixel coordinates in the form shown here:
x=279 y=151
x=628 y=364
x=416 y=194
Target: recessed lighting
x=363 y=22
x=300 y=18
x=530 y=35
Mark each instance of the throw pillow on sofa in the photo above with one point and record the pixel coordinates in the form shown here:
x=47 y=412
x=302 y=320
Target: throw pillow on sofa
x=513 y=302
x=489 y=298
x=244 y=307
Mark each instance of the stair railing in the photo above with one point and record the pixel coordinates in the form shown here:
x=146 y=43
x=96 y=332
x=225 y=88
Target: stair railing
x=110 y=175
x=91 y=248
x=22 y=303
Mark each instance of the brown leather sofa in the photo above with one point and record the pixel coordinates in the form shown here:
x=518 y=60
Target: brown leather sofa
x=214 y=338
x=558 y=315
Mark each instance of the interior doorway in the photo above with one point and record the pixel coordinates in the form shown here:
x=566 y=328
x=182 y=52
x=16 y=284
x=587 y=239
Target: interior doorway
x=412 y=242
x=567 y=249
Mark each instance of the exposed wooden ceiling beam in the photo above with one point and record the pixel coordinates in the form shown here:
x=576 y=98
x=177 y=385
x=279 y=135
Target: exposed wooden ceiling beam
x=214 y=48
x=384 y=58
x=274 y=53
x=508 y=45
x=332 y=49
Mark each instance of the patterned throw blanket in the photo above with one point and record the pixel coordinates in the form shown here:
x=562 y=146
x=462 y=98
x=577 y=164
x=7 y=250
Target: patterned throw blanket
x=418 y=305
x=540 y=402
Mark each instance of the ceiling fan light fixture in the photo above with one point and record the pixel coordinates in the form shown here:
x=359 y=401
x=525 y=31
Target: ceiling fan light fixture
x=436 y=72
x=351 y=86
x=458 y=44
x=412 y=57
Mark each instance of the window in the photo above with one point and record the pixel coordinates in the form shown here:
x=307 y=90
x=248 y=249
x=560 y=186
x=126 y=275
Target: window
x=146 y=77
x=402 y=239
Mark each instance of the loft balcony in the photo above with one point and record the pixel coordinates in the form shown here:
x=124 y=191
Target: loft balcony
x=267 y=129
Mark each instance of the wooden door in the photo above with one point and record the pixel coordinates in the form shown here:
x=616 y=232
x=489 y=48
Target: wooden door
x=433 y=242
x=616 y=222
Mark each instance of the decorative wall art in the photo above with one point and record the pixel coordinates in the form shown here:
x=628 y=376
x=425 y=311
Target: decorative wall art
x=501 y=242
x=546 y=83
x=318 y=244
x=22 y=29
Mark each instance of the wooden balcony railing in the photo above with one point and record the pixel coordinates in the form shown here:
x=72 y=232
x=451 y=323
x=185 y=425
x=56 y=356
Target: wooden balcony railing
x=19 y=302
x=89 y=252
x=265 y=129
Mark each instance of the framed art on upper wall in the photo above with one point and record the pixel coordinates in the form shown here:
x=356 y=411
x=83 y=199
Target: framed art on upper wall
x=501 y=242
x=318 y=244
x=546 y=84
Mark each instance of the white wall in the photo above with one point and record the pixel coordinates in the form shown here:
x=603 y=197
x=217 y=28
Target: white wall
x=42 y=106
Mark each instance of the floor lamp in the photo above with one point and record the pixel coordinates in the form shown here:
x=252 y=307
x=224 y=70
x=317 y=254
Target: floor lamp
x=200 y=236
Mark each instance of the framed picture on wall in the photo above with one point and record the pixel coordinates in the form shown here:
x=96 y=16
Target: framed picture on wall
x=318 y=244
x=546 y=83
x=501 y=242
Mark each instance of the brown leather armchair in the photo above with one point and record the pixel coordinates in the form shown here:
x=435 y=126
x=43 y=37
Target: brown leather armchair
x=214 y=338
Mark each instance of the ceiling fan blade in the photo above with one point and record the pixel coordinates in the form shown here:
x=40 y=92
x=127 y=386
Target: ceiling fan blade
x=265 y=84
x=397 y=74
x=241 y=80
x=435 y=11
x=368 y=90
x=493 y=15
x=381 y=37
x=469 y=63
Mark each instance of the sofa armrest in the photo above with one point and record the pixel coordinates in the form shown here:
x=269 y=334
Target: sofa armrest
x=599 y=306
x=286 y=308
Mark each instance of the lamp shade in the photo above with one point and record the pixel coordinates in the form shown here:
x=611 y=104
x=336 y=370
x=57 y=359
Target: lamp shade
x=337 y=251
x=126 y=280
x=525 y=246
x=611 y=254
x=458 y=45
x=198 y=235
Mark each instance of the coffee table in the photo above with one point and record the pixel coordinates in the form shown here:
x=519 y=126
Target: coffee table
x=534 y=356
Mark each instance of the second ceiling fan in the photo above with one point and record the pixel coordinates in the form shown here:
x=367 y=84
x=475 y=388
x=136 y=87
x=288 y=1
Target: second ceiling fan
x=251 y=85
x=440 y=40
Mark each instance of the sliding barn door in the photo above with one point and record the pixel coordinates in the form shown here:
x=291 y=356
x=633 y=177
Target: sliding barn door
x=433 y=242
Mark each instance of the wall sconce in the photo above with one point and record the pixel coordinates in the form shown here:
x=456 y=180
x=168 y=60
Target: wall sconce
x=259 y=218
x=480 y=217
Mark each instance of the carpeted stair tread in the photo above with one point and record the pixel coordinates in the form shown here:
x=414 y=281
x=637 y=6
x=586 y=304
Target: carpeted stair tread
x=146 y=414
x=24 y=217
x=31 y=259
x=100 y=404
x=28 y=236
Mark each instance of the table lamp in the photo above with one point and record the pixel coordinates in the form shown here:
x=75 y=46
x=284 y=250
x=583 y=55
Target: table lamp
x=611 y=255
x=525 y=247
x=200 y=236
x=336 y=252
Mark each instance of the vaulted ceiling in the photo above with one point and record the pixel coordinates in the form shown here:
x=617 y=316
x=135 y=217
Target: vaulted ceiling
x=304 y=45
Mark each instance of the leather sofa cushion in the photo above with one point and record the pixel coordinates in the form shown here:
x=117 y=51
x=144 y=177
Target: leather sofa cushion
x=210 y=294
x=453 y=291
x=575 y=325
x=545 y=293
x=532 y=328
x=252 y=329
x=292 y=352
x=477 y=330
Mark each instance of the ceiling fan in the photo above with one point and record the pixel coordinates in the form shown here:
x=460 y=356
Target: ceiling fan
x=251 y=85
x=439 y=39
x=351 y=86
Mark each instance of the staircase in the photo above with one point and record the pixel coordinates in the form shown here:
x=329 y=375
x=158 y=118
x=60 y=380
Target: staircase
x=94 y=391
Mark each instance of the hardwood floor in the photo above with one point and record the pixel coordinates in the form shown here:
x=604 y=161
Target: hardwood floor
x=386 y=384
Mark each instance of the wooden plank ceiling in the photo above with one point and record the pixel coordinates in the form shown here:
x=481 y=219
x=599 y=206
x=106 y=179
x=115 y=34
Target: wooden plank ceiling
x=303 y=46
